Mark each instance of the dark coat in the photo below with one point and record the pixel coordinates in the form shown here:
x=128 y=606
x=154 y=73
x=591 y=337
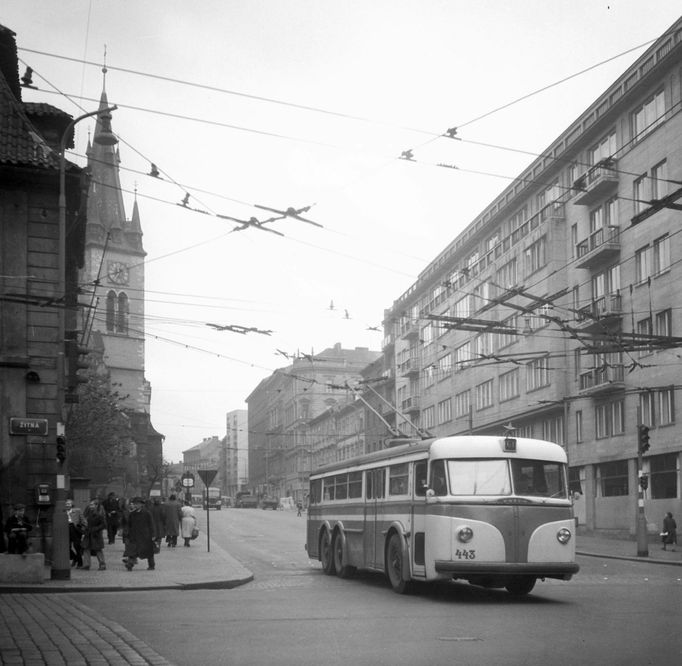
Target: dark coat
x=93 y=539
x=171 y=518
x=158 y=515
x=139 y=535
x=670 y=530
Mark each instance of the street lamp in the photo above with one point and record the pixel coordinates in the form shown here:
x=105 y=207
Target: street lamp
x=61 y=562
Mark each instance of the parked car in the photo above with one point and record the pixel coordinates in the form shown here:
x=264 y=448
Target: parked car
x=270 y=503
x=245 y=500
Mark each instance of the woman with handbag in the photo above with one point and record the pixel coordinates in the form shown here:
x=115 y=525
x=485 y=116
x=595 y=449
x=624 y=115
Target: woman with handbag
x=188 y=524
x=669 y=534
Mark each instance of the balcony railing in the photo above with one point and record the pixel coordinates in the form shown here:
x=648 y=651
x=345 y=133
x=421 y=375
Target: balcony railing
x=600 y=312
x=602 y=379
x=600 y=181
x=600 y=245
x=409 y=366
x=411 y=404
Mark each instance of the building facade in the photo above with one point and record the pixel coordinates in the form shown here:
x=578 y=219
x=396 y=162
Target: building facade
x=234 y=454
x=556 y=309
x=281 y=407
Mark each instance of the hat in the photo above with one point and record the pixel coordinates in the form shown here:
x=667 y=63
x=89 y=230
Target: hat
x=19 y=506
x=137 y=500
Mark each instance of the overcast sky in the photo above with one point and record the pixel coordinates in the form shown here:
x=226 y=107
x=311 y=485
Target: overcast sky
x=310 y=103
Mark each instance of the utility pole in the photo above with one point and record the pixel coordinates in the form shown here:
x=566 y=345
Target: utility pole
x=642 y=447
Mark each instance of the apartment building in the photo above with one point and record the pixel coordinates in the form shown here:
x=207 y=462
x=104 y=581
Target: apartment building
x=556 y=309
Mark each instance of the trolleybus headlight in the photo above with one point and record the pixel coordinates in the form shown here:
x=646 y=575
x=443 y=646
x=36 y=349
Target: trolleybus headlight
x=465 y=534
x=563 y=535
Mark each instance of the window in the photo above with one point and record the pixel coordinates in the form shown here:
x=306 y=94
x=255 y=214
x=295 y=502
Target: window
x=462 y=308
x=666 y=406
x=539 y=479
x=428 y=416
x=444 y=367
x=553 y=430
x=438 y=481
x=661 y=255
x=604 y=149
x=420 y=478
x=646 y=408
x=375 y=480
x=463 y=403
x=483 y=345
x=462 y=356
x=508 y=338
x=484 y=395
x=398 y=479
x=444 y=411
x=648 y=116
x=537 y=373
x=117 y=313
x=613 y=478
x=509 y=385
x=642 y=264
x=639 y=194
x=536 y=255
x=354 y=485
x=663 y=471
x=664 y=323
x=644 y=329
x=479 y=477
x=579 y=426
x=609 y=419
x=659 y=180
x=481 y=296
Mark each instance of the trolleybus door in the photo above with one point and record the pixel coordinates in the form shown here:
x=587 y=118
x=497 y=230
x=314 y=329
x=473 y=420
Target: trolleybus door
x=418 y=532
x=374 y=485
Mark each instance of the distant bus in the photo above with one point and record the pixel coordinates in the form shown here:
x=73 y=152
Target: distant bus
x=493 y=511
x=214 y=499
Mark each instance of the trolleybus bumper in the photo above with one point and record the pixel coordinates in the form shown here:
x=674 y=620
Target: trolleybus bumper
x=560 y=570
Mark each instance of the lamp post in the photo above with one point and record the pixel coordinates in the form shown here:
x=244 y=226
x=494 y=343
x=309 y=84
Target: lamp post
x=61 y=561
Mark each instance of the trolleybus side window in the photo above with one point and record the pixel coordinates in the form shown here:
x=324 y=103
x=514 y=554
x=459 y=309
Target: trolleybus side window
x=479 y=477
x=354 y=485
x=420 y=478
x=374 y=478
x=438 y=480
x=398 y=479
x=315 y=491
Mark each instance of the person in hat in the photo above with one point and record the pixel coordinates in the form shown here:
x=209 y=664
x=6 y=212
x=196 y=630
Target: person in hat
x=138 y=536
x=93 y=539
x=17 y=529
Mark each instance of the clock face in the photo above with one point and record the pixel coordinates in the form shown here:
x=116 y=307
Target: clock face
x=118 y=272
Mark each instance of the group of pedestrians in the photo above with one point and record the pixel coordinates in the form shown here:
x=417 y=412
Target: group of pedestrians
x=141 y=524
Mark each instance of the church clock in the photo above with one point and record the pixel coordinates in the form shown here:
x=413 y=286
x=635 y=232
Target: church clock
x=118 y=272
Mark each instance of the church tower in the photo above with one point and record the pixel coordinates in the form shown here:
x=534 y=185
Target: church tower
x=114 y=284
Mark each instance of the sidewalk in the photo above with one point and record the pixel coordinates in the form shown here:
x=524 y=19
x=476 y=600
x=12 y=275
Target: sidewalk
x=625 y=549
x=176 y=568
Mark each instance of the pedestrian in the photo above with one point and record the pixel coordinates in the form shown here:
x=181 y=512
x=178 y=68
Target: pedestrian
x=299 y=506
x=171 y=521
x=157 y=511
x=669 y=533
x=17 y=529
x=138 y=536
x=188 y=523
x=93 y=539
x=112 y=508
x=77 y=527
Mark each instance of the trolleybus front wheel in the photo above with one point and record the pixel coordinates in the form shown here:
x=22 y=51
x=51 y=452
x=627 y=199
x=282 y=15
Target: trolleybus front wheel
x=326 y=554
x=520 y=585
x=394 y=565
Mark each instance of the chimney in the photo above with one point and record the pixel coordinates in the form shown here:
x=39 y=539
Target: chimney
x=9 y=63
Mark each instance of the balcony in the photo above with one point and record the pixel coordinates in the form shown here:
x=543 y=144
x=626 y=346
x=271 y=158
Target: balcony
x=600 y=313
x=600 y=246
x=604 y=379
x=411 y=404
x=597 y=184
x=409 y=331
x=409 y=367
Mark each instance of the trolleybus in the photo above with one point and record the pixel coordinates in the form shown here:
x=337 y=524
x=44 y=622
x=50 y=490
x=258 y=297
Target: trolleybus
x=493 y=511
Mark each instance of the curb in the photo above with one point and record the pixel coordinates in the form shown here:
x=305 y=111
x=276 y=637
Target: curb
x=629 y=558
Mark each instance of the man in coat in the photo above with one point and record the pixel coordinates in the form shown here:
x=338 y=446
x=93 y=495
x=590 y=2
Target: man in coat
x=17 y=529
x=112 y=507
x=138 y=536
x=171 y=521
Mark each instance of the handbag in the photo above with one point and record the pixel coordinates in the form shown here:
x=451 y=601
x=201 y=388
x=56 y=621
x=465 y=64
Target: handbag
x=195 y=533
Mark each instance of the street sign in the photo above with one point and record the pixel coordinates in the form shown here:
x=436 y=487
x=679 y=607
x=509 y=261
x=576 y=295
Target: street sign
x=207 y=475
x=23 y=426
x=188 y=480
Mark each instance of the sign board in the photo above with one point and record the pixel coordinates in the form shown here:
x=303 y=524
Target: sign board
x=188 y=480
x=23 y=426
x=207 y=475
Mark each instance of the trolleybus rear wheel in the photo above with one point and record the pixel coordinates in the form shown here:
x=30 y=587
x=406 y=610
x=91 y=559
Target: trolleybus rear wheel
x=342 y=570
x=326 y=554
x=394 y=565
x=520 y=585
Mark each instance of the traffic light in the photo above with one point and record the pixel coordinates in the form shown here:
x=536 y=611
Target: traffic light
x=644 y=481
x=76 y=360
x=643 y=438
x=61 y=449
